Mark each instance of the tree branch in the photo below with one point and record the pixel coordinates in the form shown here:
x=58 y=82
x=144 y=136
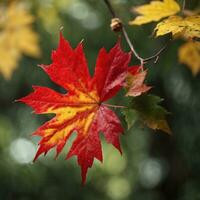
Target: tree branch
x=183 y=5
x=156 y=55
x=125 y=34
x=130 y=44
x=107 y=2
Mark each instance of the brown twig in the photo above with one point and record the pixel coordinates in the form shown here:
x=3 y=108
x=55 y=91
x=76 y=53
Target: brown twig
x=183 y=5
x=156 y=55
x=107 y=2
x=130 y=44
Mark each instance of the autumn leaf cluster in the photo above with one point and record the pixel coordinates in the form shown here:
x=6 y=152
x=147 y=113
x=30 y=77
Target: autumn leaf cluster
x=179 y=22
x=84 y=109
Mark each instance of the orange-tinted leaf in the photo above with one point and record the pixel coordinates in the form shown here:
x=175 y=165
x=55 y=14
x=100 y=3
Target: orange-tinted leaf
x=135 y=82
x=81 y=109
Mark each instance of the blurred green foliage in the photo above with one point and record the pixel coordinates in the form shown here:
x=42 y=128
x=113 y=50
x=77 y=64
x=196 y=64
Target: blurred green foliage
x=154 y=166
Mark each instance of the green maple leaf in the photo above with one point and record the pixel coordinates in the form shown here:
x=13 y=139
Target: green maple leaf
x=147 y=109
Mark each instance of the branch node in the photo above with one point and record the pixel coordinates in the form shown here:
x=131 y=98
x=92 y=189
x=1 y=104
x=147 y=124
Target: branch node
x=116 y=24
x=156 y=60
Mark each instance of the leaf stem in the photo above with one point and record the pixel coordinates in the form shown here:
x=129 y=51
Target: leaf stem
x=130 y=44
x=113 y=106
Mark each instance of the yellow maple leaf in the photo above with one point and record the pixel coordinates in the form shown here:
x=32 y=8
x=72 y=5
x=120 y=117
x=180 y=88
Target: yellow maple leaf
x=15 y=15
x=189 y=54
x=9 y=56
x=155 y=11
x=16 y=37
x=26 y=40
x=188 y=27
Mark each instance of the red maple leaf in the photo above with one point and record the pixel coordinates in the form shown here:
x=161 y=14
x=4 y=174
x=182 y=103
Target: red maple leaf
x=81 y=109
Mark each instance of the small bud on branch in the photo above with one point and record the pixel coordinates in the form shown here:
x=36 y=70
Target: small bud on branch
x=117 y=26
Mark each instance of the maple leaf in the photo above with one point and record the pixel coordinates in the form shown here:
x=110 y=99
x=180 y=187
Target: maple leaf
x=9 y=54
x=155 y=11
x=135 y=81
x=131 y=117
x=188 y=27
x=81 y=109
x=16 y=37
x=189 y=54
x=147 y=109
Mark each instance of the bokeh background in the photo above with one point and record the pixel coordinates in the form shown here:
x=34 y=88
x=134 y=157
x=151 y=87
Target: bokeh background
x=154 y=165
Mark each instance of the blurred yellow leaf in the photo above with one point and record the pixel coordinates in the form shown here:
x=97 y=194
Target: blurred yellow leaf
x=155 y=11
x=188 y=27
x=16 y=37
x=189 y=54
x=49 y=13
x=9 y=56
x=49 y=16
x=15 y=16
x=26 y=40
